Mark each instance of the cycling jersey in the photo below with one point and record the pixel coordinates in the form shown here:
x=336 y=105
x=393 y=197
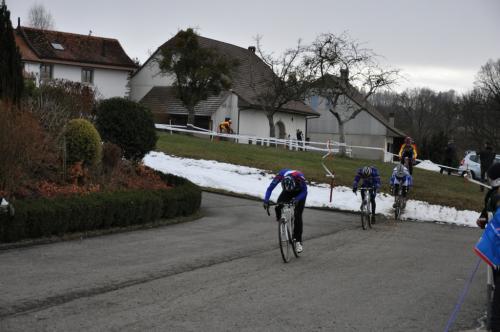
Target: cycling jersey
x=300 y=191
x=373 y=181
x=406 y=180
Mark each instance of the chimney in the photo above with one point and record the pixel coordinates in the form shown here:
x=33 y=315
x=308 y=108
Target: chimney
x=391 y=119
x=344 y=74
x=18 y=22
x=251 y=49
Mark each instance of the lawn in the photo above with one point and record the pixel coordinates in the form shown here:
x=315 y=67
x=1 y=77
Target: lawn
x=428 y=186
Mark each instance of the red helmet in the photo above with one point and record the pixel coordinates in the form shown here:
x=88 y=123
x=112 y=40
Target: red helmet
x=408 y=140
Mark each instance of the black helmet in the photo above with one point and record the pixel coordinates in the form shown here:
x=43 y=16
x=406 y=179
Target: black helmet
x=494 y=175
x=367 y=171
x=288 y=183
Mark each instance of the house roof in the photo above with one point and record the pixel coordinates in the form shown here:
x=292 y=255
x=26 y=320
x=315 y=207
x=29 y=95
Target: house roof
x=163 y=100
x=249 y=76
x=62 y=47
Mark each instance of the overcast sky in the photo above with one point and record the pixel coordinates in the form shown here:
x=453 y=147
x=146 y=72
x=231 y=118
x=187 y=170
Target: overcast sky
x=439 y=44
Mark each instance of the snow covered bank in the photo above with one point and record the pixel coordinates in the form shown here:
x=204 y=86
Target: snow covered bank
x=254 y=182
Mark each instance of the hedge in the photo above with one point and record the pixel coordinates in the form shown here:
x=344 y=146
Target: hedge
x=44 y=217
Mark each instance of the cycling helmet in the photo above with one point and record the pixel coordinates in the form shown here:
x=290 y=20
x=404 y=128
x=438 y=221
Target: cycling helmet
x=400 y=171
x=408 y=140
x=288 y=183
x=367 y=171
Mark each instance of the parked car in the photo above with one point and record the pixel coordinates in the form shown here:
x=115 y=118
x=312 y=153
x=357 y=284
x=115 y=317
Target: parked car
x=472 y=163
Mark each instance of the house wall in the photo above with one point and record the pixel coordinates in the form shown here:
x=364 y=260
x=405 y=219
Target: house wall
x=108 y=82
x=363 y=130
x=146 y=78
x=228 y=109
x=255 y=123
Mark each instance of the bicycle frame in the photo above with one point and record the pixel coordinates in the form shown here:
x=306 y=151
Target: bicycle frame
x=366 y=215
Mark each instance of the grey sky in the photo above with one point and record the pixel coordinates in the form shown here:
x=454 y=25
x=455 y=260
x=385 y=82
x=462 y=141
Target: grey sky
x=440 y=44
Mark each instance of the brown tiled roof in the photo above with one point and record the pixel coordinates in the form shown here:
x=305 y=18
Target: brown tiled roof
x=36 y=44
x=162 y=99
x=251 y=70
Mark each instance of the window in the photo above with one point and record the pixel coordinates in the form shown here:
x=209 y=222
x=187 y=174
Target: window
x=46 y=72
x=87 y=75
x=57 y=46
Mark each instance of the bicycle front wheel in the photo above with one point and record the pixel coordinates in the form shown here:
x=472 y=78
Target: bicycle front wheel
x=364 y=219
x=285 y=241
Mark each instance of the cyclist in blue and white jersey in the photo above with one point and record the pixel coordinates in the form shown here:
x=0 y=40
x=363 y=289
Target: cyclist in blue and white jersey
x=294 y=190
x=370 y=180
x=400 y=177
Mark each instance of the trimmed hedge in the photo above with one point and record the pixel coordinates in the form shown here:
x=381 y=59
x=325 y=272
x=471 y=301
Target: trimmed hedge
x=56 y=216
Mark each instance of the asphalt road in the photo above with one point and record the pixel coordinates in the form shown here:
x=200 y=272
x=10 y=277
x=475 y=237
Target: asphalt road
x=224 y=272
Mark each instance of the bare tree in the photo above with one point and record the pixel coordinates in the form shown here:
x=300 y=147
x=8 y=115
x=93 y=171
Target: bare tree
x=281 y=87
x=346 y=75
x=40 y=18
x=488 y=80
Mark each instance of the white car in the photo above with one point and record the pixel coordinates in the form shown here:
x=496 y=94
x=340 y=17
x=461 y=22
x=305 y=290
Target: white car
x=472 y=163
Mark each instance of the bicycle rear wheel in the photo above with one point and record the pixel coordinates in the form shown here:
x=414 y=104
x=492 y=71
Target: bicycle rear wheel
x=285 y=239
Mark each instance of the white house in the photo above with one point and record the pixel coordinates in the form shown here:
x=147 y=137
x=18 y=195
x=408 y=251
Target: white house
x=95 y=61
x=154 y=89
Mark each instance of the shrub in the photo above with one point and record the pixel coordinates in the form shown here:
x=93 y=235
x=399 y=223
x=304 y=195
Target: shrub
x=127 y=124
x=83 y=142
x=24 y=148
x=55 y=216
x=56 y=102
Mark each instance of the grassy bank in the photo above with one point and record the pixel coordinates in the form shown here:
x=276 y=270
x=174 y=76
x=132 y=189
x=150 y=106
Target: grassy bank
x=428 y=186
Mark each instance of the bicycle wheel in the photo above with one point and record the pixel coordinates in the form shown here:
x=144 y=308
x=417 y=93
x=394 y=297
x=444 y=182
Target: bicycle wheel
x=397 y=212
x=290 y=227
x=364 y=218
x=369 y=214
x=285 y=241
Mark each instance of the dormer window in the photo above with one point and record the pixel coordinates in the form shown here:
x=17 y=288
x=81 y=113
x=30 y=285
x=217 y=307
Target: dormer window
x=57 y=46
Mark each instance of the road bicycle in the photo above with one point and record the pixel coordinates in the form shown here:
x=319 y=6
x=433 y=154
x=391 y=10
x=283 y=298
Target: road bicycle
x=399 y=202
x=285 y=230
x=366 y=209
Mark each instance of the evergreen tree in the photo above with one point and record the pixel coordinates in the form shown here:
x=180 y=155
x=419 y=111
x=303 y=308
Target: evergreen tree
x=11 y=70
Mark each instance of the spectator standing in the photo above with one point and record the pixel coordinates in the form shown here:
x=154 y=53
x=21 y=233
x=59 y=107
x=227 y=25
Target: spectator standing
x=486 y=157
x=449 y=157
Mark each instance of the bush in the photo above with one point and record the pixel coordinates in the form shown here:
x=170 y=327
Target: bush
x=83 y=142
x=24 y=148
x=127 y=124
x=56 y=216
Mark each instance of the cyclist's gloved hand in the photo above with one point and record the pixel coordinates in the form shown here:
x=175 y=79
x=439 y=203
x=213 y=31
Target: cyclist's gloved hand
x=354 y=190
x=481 y=222
x=266 y=205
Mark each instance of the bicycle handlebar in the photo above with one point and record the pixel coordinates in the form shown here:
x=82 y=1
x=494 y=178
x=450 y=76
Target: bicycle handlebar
x=274 y=204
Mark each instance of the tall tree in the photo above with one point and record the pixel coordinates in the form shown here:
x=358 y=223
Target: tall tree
x=11 y=68
x=488 y=80
x=344 y=69
x=286 y=82
x=40 y=18
x=199 y=72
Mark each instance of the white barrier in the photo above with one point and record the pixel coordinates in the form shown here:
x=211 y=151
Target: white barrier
x=291 y=144
x=330 y=147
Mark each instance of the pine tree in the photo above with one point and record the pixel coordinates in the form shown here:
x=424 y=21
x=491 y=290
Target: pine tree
x=11 y=70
